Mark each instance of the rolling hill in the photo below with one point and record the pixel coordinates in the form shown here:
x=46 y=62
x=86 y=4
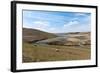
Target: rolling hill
x=33 y=35
x=40 y=46
x=69 y=39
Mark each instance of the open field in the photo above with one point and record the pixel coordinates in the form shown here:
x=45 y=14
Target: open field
x=38 y=53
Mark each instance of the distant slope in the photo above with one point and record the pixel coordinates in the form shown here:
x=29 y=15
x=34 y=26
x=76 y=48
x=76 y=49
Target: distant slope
x=33 y=35
x=76 y=39
x=73 y=33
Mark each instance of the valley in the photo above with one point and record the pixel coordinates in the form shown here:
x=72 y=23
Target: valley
x=40 y=46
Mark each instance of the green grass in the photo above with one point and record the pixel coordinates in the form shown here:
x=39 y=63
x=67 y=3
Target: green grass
x=41 y=53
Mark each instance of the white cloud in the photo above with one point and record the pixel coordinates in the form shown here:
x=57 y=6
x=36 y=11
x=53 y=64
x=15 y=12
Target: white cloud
x=71 y=23
x=52 y=29
x=76 y=26
x=81 y=14
x=41 y=25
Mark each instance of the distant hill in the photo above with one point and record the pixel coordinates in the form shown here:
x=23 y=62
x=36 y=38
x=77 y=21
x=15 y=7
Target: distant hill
x=69 y=39
x=73 y=33
x=33 y=35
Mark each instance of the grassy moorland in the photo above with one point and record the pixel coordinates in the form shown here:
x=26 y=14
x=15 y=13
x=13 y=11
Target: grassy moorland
x=32 y=35
x=55 y=48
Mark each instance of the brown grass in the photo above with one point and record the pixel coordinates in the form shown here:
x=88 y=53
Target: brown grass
x=41 y=53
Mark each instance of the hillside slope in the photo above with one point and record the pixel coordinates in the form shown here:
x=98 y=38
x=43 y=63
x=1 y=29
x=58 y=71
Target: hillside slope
x=75 y=39
x=33 y=35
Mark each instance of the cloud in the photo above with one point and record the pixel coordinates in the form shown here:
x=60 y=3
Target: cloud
x=57 y=21
x=71 y=23
x=80 y=28
x=80 y=14
x=76 y=26
x=52 y=29
x=41 y=25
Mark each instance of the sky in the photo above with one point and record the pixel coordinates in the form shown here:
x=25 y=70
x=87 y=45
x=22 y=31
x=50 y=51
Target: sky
x=56 y=21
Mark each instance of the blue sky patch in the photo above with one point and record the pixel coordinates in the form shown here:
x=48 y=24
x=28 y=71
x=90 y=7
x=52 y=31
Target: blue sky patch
x=57 y=21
